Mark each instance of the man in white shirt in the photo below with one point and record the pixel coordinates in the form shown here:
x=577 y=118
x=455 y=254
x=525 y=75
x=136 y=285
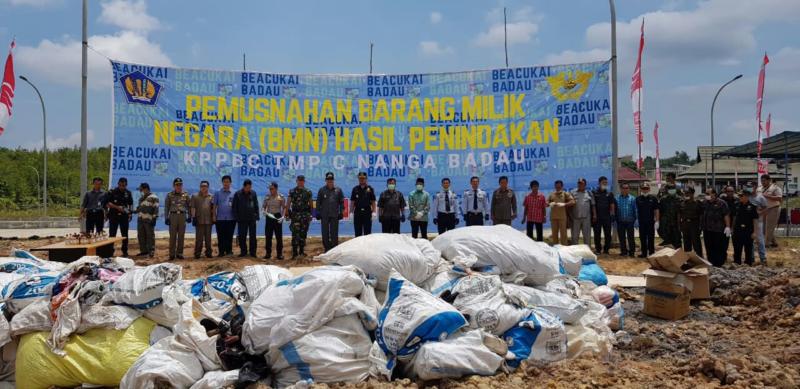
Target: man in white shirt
x=773 y=194
x=475 y=204
x=761 y=207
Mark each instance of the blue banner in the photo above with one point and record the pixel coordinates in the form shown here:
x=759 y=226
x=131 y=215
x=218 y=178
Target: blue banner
x=541 y=122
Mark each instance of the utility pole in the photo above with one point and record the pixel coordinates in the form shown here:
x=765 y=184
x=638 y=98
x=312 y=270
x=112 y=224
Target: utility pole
x=614 y=107
x=84 y=76
x=371 y=45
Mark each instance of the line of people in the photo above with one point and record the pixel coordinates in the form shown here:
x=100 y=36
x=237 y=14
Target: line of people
x=678 y=216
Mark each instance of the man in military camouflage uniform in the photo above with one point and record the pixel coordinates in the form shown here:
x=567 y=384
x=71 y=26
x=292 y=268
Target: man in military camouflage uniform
x=668 y=225
x=300 y=206
x=176 y=212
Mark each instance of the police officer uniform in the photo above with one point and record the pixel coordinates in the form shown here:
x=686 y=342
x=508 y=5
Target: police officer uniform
x=475 y=207
x=176 y=210
x=445 y=205
x=362 y=198
x=330 y=209
x=119 y=219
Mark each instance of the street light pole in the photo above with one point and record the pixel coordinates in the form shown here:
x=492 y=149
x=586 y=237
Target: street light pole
x=713 y=103
x=44 y=130
x=614 y=107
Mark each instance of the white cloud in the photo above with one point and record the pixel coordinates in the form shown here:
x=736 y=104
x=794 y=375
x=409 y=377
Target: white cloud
x=60 y=61
x=71 y=140
x=434 y=48
x=128 y=15
x=436 y=17
x=36 y=3
x=522 y=28
x=570 y=56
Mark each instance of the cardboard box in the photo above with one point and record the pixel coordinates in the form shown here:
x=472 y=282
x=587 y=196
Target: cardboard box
x=667 y=295
x=688 y=264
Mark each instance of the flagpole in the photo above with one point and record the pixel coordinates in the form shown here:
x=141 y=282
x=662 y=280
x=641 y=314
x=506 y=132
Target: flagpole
x=505 y=34
x=614 y=107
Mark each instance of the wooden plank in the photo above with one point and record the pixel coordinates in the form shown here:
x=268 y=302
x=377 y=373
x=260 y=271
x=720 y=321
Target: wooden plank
x=626 y=281
x=64 y=246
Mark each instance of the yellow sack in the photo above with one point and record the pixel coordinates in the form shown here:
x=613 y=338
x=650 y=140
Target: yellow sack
x=99 y=357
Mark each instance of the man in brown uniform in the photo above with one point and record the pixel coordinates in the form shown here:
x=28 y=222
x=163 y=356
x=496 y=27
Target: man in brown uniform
x=504 y=204
x=176 y=211
x=559 y=201
x=202 y=207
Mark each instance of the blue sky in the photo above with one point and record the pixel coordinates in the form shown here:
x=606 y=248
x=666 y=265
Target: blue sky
x=692 y=48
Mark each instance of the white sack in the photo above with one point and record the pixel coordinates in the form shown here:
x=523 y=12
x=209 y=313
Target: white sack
x=217 y=379
x=142 y=288
x=32 y=318
x=461 y=355
x=168 y=362
x=25 y=291
x=442 y=280
x=336 y=352
x=256 y=278
x=538 y=338
x=378 y=254
x=572 y=257
x=115 y=317
x=410 y=317
x=483 y=300
x=502 y=246
x=167 y=313
x=566 y=308
x=292 y=308
x=585 y=340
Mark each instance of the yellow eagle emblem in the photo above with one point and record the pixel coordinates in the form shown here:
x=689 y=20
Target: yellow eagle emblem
x=569 y=86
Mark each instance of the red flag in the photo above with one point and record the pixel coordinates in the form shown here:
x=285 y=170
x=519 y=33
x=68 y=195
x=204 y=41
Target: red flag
x=7 y=90
x=769 y=120
x=636 y=98
x=759 y=102
x=658 y=157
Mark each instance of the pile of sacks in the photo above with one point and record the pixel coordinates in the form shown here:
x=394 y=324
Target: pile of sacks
x=476 y=300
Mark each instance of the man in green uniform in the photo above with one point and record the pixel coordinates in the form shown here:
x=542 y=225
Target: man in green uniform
x=300 y=207
x=176 y=212
x=690 y=214
x=667 y=225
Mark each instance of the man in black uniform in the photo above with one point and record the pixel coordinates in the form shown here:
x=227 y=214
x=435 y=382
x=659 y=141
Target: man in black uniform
x=605 y=206
x=92 y=207
x=118 y=203
x=391 y=206
x=362 y=206
x=647 y=207
x=730 y=199
x=744 y=227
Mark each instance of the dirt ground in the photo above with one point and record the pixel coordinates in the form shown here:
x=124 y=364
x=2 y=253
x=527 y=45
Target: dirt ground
x=746 y=335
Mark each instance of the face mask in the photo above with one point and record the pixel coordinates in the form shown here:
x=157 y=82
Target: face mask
x=419 y=187
x=391 y=186
x=603 y=187
x=671 y=191
x=708 y=197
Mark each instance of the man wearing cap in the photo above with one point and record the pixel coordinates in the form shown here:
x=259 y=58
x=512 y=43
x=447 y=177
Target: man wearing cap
x=419 y=205
x=690 y=212
x=744 y=229
x=92 y=209
x=445 y=202
x=145 y=225
x=390 y=208
x=605 y=209
x=362 y=206
x=582 y=213
x=202 y=210
x=224 y=220
x=118 y=202
x=330 y=209
x=301 y=203
x=668 y=224
x=274 y=209
x=647 y=207
x=245 y=209
x=176 y=213
x=504 y=203
x=475 y=206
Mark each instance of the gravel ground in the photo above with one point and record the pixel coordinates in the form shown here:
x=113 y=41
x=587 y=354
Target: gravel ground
x=746 y=335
